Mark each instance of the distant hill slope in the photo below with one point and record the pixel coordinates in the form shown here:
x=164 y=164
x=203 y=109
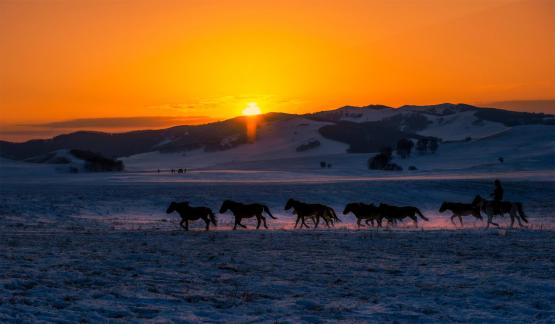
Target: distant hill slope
x=360 y=129
x=179 y=138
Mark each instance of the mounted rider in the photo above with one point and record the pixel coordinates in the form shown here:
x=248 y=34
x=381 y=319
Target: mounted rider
x=497 y=196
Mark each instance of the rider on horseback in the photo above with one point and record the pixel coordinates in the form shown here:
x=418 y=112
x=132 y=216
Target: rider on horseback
x=497 y=195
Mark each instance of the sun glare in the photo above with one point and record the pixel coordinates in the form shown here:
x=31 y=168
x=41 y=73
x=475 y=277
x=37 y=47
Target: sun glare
x=251 y=110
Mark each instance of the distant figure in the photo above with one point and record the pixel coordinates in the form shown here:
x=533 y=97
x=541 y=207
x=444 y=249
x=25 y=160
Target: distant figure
x=173 y=171
x=180 y=171
x=501 y=160
x=497 y=196
x=498 y=191
x=158 y=170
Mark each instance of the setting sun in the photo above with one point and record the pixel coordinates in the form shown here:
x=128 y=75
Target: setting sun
x=251 y=110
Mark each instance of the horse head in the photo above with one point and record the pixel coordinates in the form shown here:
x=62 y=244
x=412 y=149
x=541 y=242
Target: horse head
x=443 y=207
x=477 y=200
x=225 y=206
x=171 y=207
x=350 y=207
x=290 y=203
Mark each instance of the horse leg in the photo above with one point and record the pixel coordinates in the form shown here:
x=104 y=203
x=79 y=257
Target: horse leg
x=181 y=224
x=236 y=222
x=452 y=217
x=415 y=220
x=297 y=222
x=207 y=221
x=303 y=223
x=518 y=219
x=264 y=221
x=257 y=221
x=490 y=216
x=243 y=226
x=512 y=219
x=490 y=220
x=186 y=224
x=317 y=222
x=514 y=212
x=460 y=219
x=358 y=222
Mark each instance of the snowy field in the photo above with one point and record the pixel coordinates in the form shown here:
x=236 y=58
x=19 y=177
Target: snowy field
x=284 y=276
x=101 y=248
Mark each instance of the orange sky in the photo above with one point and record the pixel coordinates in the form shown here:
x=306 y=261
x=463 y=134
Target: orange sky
x=64 y=60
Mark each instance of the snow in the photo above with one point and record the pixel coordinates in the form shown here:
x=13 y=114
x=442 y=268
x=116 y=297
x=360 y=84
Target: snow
x=99 y=247
x=447 y=121
x=524 y=148
x=274 y=140
x=460 y=126
x=302 y=276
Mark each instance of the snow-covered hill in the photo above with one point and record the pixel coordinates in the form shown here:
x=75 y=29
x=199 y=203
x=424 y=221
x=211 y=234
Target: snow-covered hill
x=274 y=140
x=521 y=147
x=468 y=141
x=445 y=121
x=283 y=140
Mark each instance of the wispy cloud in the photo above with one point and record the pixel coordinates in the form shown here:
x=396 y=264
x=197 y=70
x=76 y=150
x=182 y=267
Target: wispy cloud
x=545 y=106
x=24 y=132
x=124 y=122
x=224 y=106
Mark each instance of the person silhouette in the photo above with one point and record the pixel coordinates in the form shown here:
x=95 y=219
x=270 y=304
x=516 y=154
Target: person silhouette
x=497 y=195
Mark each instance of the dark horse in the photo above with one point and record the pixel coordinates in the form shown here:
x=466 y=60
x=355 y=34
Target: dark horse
x=459 y=210
x=241 y=211
x=189 y=213
x=368 y=212
x=492 y=208
x=395 y=213
x=312 y=211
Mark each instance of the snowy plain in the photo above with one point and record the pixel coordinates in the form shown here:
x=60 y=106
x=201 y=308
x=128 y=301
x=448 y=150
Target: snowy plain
x=100 y=247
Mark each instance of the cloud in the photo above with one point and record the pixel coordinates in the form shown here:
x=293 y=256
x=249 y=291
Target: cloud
x=227 y=106
x=125 y=122
x=545 y=106
x=25 y=132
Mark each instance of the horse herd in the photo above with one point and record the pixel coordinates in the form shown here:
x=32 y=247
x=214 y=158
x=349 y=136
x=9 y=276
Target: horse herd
x=369 y=213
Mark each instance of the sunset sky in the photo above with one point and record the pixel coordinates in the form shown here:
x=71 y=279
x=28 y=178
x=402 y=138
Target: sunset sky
x=111 y=64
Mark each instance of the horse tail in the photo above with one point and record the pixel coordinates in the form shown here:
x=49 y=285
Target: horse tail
x=212 y=217
x=521 y=212
x=267 y=210
x=416 y=210
x=333 y=214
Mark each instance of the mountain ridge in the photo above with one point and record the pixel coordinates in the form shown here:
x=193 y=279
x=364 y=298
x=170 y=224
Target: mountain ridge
x=376 y=124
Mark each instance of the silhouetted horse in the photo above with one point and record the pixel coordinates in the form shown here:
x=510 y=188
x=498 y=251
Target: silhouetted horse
x=312 y=211
x=368 y=212
x=492 y=208
x=241 y=211
x=459 y=210
x=189 y=213
x=395 y=213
